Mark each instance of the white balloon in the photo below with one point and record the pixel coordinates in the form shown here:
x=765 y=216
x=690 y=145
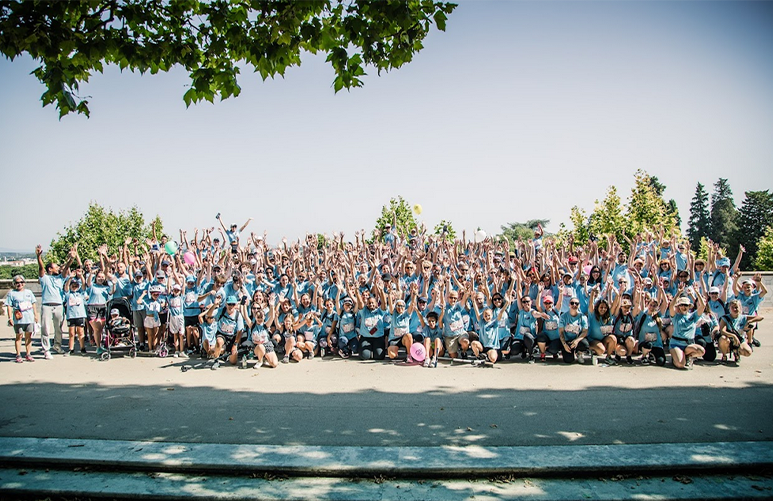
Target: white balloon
x=480 y=235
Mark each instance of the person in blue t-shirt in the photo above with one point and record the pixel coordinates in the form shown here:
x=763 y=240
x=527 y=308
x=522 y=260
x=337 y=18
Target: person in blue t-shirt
x=22 y=316
x=75 y=308
x=682 y=344
x=51 y=279
x=573 y=330
x=734 y=333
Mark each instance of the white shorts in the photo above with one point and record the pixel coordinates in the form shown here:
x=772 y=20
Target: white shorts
x=176 y=325
x=151 y=322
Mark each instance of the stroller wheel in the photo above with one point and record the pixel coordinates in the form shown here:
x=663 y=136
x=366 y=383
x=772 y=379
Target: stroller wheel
x=104 y=356
x=163 y=352
x=133 y=352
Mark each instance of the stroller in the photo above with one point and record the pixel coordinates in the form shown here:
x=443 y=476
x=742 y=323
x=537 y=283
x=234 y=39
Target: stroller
x=119 y=337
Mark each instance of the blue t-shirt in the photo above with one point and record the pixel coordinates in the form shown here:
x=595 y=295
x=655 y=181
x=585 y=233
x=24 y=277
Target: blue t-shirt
x=98 y=294
x=24 y=302
x=175 y=305
x=598 y=328
x=400 y=325
x=573 y=325
x=123 y=287
x=75 y=304
x=749 y=304
x=527 y=324
x=684 y=326
x=51 y=286
x=649 y=331
x=137 y=289
x=550 y=325
x=371 y=323
x=229 y=325
x=489 y=335
x=453 y=322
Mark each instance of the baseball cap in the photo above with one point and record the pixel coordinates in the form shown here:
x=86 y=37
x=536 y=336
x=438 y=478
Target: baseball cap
x=723 y=262
x=160 y=274
x=231 y=300
x=176 y=287
x=547 y=299
x=683 y=300
x=714 y=290
x=190 y=278
x=114 y=311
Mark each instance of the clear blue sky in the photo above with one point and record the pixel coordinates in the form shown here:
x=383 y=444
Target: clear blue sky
x=520 y=110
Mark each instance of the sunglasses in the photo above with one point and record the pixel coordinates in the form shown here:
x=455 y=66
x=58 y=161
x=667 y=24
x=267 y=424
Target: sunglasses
x=574 y=303
x=18 y=283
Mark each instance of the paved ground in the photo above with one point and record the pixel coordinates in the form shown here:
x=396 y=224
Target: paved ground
x=336 y=402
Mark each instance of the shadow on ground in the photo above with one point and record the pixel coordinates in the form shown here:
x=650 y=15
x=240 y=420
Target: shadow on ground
x=445 y=416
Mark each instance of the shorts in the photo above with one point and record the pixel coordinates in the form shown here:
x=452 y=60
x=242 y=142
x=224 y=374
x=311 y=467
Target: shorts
x=621 y=339
x=452 y=343
x=269 y=347
x=22 y=328
x=192 y=321
x=418 y=338
x=680 y=345
x=76 y=322
x=96 y=311
x=176 y=325
x=398 y=341
x=151 y=322
x=163 y=317
x=209 y=337
x=228 y=341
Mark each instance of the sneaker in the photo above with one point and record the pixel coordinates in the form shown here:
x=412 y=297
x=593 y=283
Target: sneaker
x=629 y=360
x=19 y=360
x=69 y=353
x=343 y=354
x=83 y=351
x=29 y=358
x=286 y=359
x=216 y=365
x=611 y=361
x=580 y=358
x=737 y=357
x=183 y=355
x=243 y=362
x=176 y=355
x=47 y=356
x=322 y=353
x=59 y=350
x=426 y=362
x=434 y=362
x=530 y=359
x=408 y=359
x=594 y=360
x=689 y=364
x=100 y=350
x=645 y=360
x=463 y=355
x=541 y=357
x=311 y=354
x=618 y=359
x=756 y=343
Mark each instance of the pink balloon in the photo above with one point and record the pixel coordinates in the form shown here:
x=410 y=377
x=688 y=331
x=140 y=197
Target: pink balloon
x=190 y=258
x=417 y=352
x=587 y=269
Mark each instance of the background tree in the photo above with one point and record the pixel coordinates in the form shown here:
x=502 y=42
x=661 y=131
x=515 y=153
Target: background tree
x=764 y=259
x=670 y=206
x=754 y=217
x=608 y=218
x=102 y=226
x=28 y=271
x=406 y=220
x=525 y=231
x=209 y=39
x=445 y=227
x=724 y=216
x=647 y=208
x=699 y=225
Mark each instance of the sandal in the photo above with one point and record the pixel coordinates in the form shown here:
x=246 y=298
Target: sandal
x=29 y=358
x=19 y=360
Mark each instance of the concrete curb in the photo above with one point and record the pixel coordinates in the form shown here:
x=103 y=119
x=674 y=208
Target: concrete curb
x=398 y=462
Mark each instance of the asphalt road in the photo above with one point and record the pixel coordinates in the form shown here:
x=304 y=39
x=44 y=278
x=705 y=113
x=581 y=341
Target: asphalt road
x=338 y=402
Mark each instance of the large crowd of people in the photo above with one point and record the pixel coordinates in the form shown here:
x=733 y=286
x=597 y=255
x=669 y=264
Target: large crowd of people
x=220 y=296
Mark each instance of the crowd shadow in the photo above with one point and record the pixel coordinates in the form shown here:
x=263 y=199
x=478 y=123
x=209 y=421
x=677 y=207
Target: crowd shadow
x=447 y=415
